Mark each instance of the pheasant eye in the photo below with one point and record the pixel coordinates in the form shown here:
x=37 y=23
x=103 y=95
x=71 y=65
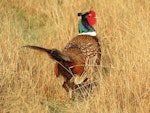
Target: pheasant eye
x=89 y=15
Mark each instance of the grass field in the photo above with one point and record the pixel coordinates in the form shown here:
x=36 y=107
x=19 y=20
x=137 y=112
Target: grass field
x=27 y=80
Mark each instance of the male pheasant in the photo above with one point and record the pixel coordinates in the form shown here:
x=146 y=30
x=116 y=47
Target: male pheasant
x=77 y=62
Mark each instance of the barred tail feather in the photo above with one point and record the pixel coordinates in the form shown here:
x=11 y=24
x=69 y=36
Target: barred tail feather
x=53 y=53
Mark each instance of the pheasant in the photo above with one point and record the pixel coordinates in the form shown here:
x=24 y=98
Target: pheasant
x=77 y=62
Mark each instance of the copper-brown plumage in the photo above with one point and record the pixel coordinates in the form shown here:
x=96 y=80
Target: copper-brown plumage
x=73 y=60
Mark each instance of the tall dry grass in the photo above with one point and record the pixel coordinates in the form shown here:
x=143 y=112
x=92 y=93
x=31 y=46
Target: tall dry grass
x=123 y=27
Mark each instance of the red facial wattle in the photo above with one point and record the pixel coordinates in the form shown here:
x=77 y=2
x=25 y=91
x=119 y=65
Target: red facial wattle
x=91 y=18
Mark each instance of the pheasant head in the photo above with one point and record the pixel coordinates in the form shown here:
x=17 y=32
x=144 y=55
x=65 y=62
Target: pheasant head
x=88 y=19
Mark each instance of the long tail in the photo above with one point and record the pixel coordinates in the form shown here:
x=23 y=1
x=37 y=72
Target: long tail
x=53 y=53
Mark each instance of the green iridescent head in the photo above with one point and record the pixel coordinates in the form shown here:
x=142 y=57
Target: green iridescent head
x=87 y=21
